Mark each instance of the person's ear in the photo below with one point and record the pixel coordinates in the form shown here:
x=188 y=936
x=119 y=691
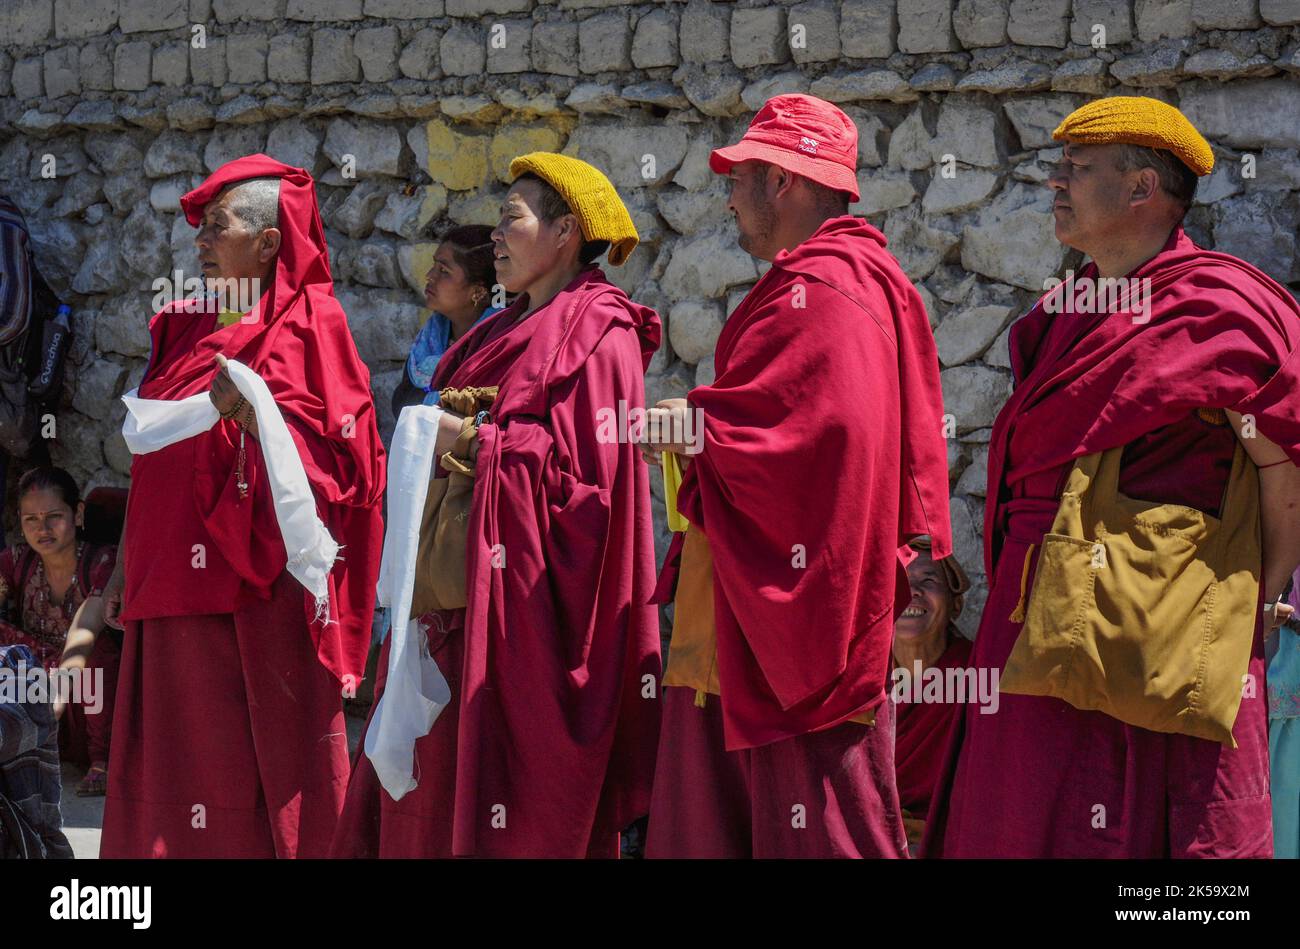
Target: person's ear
x=1145 y=187
x=269 y=241
x=568 y=228
x=79 y=519
x=958 y=602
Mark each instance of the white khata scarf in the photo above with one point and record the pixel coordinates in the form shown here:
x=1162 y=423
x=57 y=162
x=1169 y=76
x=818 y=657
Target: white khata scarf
x=153 y=424
x=415 y=692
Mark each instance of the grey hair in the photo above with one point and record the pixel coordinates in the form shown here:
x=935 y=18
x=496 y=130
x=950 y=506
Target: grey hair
x=1175 y=178
x=256 y=202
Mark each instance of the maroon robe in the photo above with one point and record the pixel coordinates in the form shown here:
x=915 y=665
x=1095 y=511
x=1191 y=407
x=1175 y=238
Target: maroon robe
x=547 y=748
x=823 y=454
x=228 y=734
x=1041 y=778
x=921 y=735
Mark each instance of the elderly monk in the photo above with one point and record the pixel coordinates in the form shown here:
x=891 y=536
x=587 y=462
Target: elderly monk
x=546 y=747
x=926 y=638
x=1214 y=342
x=821 y=453
x=229 y=737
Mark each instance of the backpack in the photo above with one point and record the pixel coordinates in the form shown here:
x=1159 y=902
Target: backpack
x=18 y=838
x=33 y=346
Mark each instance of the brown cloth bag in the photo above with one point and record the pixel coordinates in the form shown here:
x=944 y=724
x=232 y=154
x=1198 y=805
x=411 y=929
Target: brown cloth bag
x=1144 y=611
x=440 y=569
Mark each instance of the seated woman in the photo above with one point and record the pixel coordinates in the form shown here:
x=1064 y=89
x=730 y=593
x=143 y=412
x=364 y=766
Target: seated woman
x=52 y=585
x=546 y=745
x=457 y=289
x=926 y=633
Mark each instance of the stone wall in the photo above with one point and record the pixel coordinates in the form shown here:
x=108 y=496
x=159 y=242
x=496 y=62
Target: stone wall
x=408 y=112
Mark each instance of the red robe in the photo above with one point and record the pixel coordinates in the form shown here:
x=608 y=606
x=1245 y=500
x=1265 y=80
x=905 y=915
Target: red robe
x=1028 y=781
x=231 y=691
x=547 y=748
x=921 y=736
x=823 y=454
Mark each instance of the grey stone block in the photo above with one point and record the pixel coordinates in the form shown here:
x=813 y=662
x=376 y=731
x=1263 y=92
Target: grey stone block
x=246 y=57
x=654 y=43
x=462 y=50
x=62 y=72
x=555 y=47
x=131 y=66
x=80 y=19
x=605 y=43
x=813 y=30
x=758 y=37
x=508 y=45
x=144 y=16
x=332 y=57
x=171 y=64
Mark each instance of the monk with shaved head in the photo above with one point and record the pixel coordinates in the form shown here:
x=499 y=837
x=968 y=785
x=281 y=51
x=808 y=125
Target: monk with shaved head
x=246 y=582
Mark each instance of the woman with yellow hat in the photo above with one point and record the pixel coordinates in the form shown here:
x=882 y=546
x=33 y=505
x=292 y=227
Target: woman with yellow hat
x=543 y=739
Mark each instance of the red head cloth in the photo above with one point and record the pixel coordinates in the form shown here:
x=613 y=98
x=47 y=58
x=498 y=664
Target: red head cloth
x=823 y=454
x=298 y=341
x=1220 y=335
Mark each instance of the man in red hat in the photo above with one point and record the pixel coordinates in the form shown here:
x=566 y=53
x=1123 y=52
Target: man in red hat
x=243 y=630
x=822 y=454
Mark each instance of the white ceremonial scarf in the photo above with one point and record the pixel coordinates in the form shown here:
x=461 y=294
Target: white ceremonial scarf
x=415 y=692
x=153 y=424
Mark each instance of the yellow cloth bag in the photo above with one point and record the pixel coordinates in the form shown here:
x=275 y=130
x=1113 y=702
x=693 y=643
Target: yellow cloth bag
x=693 y=649
x=440 y=566
x=1144 y=611
x=672 y=471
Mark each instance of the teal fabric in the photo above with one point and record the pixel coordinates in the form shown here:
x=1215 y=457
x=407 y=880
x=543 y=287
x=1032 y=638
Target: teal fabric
x=1284 y=759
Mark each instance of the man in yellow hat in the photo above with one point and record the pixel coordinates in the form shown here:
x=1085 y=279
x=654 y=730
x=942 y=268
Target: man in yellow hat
x=1172 y=354
x=546 y=745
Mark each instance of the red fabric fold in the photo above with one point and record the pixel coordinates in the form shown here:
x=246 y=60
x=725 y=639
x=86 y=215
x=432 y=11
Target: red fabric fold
x=557 y=720
x=297 y=339
x=823 y=454
x=1217 y=327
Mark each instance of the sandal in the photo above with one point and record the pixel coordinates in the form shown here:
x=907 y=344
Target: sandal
x=95 y=783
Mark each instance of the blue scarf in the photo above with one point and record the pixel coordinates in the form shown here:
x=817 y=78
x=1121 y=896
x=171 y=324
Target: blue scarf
x=430 y=343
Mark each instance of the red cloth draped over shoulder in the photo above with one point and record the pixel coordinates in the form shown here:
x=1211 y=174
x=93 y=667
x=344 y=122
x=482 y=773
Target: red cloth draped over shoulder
x=560 y=635
x=921 y=734
x=1221 y=334
x=297 y=339
x=823 y=454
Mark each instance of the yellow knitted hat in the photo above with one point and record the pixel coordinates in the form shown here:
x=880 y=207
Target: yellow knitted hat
x=1138 y=120
x=589 y=195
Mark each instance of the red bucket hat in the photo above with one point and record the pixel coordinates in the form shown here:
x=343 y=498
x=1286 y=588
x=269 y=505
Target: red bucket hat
x=802 y=134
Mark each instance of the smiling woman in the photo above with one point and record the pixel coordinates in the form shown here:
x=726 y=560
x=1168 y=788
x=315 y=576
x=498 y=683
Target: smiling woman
x=925 y=637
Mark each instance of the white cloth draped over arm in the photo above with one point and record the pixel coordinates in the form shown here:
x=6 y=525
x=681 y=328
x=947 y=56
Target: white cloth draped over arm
x=153 y=424
x=415 y=692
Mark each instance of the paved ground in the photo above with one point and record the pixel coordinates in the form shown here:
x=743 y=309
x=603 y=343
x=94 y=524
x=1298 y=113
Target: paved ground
x=84 y=816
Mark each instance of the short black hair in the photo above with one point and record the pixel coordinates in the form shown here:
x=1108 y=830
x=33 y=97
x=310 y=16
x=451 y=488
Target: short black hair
x=49 y=478
x=471 y=246
x=1175 y=177
x=553 y=206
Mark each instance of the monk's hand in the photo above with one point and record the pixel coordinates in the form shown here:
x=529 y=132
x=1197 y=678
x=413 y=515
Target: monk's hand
x=1281 y=612
x=669 y=427
x=113 y=596
x=223 y=393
